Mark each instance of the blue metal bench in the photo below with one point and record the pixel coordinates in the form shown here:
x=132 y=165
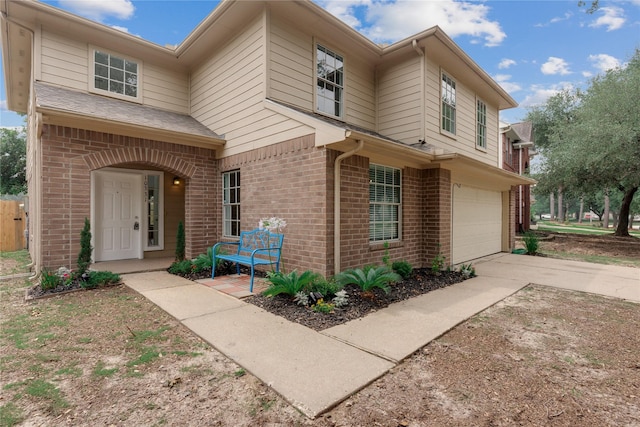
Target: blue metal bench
x=256 y=247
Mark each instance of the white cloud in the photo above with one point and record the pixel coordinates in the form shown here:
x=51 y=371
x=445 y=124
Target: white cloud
x=604 y=62
x=3 y=105
x=503 y=80
x=100 y=9
x=539 y=94
x=555 y=66
x=612 y=18
x=506 y=63
x=119 y=28
x=556 y=19
x=587 y=74
x=390 y=21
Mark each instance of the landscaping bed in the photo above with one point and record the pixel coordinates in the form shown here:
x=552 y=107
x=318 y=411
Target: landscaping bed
x=360 y=303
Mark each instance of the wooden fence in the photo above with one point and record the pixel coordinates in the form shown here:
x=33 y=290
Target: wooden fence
x=13 y=221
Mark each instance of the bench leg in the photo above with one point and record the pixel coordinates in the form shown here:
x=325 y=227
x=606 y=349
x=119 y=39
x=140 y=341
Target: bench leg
x=238 y=268
x=213 y=266
x=251 y=285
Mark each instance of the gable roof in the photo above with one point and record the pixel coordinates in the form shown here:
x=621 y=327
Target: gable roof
x=101 y=113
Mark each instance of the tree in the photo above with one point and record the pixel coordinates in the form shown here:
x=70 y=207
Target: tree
x=13 y=161
x=591 y=139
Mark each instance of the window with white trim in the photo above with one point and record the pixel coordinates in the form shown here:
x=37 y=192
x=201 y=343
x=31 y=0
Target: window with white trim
x=329 y=82
x=481 y=124
x=231 y=203
x=384 y=203
x=115 y=76
x=448 y=95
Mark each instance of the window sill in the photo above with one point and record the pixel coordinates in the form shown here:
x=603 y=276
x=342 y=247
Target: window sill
x=379 y=246
x=448 y=134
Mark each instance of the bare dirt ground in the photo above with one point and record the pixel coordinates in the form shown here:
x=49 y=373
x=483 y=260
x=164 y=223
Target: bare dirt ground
x=109 y=357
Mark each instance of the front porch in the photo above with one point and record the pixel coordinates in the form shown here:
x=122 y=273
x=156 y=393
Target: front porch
x=234 y=285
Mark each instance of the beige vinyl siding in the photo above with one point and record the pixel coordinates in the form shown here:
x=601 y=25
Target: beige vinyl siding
x=64 y=62
x=165 y=89
x=360 y=93
x=399 y=101
x=291 y=65
x=227 y=95
x=464 y=141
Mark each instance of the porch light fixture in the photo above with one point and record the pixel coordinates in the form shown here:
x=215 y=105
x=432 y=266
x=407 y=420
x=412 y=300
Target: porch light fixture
x=176 y=180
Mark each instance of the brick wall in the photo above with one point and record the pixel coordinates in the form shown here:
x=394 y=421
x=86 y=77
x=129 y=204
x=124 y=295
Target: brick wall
x=289 y=180
x=68 y=157
x=437 y=214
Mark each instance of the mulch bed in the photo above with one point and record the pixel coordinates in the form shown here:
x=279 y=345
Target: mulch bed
x=421 y=282
x=36 y=291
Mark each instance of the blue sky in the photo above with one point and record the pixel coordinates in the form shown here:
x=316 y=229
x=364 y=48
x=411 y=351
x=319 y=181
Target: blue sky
x=532 y=48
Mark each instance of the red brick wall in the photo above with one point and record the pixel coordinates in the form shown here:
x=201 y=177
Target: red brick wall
x=68 y=157
x=437 y=214
x=289 y=180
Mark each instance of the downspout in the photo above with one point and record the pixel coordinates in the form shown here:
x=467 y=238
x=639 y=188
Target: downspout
x=336 y=202
x=520 y=186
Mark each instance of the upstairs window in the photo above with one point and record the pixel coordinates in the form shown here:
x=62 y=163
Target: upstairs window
x=448 y=94
x=384 y=203
x=329 y=82
x=481 y=124
x=115 y=76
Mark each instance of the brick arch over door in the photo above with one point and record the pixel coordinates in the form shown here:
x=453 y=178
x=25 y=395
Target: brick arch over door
x=156 y=158
x=69 y=155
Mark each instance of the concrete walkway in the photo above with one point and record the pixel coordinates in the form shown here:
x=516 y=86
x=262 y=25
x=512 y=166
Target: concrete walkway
x=316 y=370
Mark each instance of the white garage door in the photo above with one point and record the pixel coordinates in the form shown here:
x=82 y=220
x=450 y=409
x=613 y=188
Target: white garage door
x=477 y=223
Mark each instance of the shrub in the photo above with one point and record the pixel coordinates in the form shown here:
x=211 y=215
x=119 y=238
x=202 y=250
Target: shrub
x=205 y=261
x=49 y=280
x=84 y=257
x=437 y=264
x=369 y=278
x=531 y=243
x=403 y=268
x=289 y=283
x=181 y=267
x=327 y=288
x=100 y=278
x=180 y=242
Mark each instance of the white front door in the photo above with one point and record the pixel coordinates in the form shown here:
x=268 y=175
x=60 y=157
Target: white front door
x=118 y=216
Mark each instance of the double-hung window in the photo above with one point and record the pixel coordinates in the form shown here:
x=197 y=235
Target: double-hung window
x=115 y=76
x=384 y=203
x=448 y=95
x=481 y=124
x=231 y=203
x=329 y=82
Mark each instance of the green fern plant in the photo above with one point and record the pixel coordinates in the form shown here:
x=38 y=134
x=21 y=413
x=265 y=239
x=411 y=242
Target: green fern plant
x=531 y=243
x=289 y=283
x=369 y=278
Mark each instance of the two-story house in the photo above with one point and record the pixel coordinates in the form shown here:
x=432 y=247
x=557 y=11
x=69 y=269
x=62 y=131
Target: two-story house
x=517 y=149
x=267 y=108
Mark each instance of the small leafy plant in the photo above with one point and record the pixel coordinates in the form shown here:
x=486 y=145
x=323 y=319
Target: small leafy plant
x=438 y=262
x=369 y=278
x=181 y=267
x=531 y=243
x=403 y=268
x=289 y=283
x=322 y=307
x=341 y=299
x=467 y=271
x=100 y=278
x=49 y=280
x=386 y=259
x=325 y=287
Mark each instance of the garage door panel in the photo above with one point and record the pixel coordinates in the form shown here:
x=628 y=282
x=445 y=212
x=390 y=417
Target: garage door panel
x=477 y=223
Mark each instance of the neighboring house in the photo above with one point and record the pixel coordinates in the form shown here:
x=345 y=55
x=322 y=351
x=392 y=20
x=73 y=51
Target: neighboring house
x=517 y=150
x=266 y=109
